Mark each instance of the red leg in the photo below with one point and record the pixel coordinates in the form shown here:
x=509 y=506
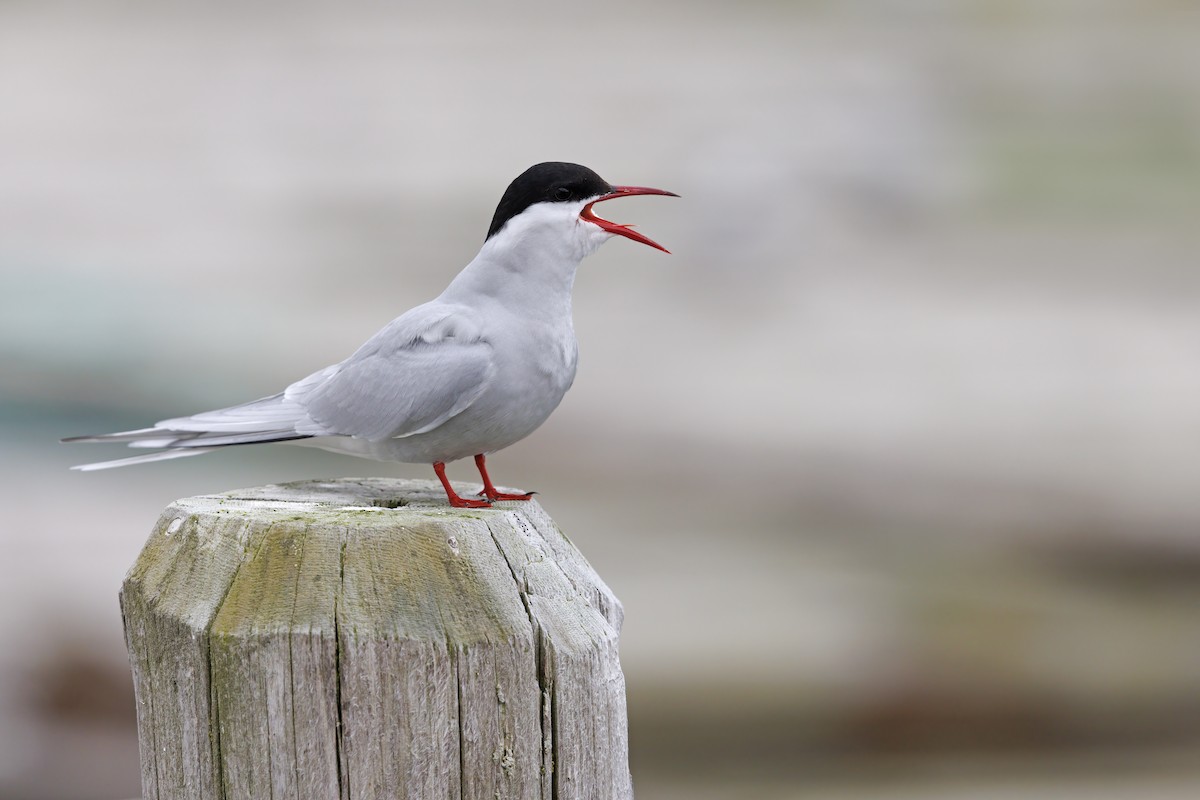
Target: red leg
x=489 y=490
x=451 y=495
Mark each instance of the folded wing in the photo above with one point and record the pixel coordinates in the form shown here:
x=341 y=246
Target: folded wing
x=408 y=379
x=423 y=369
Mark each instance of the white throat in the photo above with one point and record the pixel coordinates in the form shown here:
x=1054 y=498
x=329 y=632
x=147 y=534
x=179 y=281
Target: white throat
x=550 y=227
x=534 y=257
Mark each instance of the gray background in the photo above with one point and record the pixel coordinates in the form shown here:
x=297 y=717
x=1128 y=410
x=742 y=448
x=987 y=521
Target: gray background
x=893 y=462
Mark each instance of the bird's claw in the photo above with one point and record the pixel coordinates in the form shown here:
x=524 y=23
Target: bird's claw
x=497 y=496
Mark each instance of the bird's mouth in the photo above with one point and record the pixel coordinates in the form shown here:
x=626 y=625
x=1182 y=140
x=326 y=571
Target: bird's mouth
x=588 y=215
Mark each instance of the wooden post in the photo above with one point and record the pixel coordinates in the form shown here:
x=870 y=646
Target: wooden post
x=361 y=639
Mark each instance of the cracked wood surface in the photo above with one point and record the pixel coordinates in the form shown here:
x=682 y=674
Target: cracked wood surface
x=360 y=639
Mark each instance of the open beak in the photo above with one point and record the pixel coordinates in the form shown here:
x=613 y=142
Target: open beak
x=623 y=230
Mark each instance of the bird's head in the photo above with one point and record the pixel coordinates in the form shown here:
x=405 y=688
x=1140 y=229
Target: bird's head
x=555 y=200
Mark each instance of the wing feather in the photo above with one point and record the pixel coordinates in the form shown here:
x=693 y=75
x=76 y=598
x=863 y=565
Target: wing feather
x=266 y=414
x=425 y=368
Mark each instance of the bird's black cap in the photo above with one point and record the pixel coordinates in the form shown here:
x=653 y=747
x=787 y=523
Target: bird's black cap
x=548 y=182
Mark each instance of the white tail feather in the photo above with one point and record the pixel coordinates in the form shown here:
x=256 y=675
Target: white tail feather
x=125 y=462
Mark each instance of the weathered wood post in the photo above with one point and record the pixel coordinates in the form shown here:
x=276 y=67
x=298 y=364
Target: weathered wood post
x=360 y=639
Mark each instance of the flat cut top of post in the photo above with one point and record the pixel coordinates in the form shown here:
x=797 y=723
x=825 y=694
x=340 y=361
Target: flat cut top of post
x=359 y=638
x=366 y=508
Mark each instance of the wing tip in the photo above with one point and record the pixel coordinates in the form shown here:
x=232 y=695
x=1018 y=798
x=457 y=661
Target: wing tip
x=119 y=436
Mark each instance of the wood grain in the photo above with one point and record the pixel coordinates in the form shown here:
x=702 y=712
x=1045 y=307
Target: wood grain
x=361 y=639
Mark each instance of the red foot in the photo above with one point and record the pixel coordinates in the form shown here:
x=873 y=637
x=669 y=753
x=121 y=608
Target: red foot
x=490 y=491
x=494 y=496
x=451 y=495
x=465 y=502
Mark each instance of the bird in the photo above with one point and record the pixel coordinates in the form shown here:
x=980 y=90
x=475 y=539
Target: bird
x=467 y=374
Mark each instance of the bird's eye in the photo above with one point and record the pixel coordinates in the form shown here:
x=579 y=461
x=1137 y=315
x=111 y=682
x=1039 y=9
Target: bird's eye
x=562 y=193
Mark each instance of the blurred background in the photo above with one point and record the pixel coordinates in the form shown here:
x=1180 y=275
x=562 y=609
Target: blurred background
x=893 y=463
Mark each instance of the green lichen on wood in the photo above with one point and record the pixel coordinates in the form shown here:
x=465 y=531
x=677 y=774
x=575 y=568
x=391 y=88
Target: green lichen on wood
x=345 y=638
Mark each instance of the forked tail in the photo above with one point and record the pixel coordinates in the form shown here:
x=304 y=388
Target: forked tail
x=271 y=419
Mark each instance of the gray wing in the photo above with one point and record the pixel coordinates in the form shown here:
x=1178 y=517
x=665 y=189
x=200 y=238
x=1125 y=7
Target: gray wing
x=424 y=368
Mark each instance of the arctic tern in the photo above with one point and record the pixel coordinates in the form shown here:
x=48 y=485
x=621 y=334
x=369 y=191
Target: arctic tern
x=467 y=374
